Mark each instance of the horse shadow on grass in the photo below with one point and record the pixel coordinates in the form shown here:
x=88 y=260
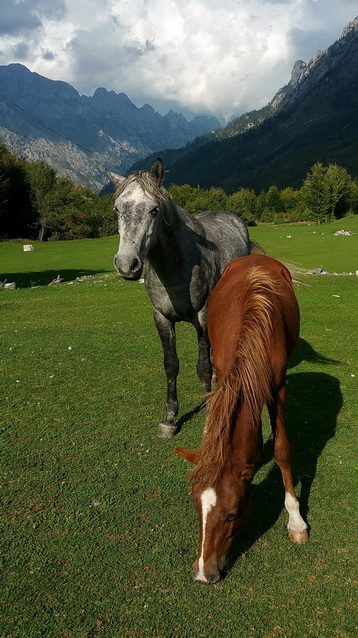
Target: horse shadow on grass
x=303 y=352
x=185 y=418
x=45 y=277
x=313 y=402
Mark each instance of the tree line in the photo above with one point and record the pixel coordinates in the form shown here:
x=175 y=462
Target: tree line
x=36 y=203
x=327 y=193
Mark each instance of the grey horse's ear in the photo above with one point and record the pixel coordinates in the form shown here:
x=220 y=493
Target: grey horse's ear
x=157 y=171
x=116 y=179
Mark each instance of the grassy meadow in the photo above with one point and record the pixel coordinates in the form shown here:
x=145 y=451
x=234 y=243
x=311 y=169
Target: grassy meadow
x=98 y=533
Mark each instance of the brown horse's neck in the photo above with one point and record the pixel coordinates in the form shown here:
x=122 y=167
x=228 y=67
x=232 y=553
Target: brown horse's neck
x=246 y=437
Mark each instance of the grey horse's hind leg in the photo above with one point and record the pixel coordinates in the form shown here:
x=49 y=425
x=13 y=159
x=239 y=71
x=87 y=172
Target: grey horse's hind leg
x=166 y=331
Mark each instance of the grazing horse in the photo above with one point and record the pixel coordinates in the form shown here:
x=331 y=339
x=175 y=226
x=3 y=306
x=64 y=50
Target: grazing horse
x=185 y=256
x=253 y=325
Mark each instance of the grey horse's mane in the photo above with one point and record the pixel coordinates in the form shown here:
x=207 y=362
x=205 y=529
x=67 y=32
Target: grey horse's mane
x=149 y=185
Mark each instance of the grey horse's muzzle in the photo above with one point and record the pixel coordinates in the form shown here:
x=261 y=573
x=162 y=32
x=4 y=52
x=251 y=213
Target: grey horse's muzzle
x=128 y=269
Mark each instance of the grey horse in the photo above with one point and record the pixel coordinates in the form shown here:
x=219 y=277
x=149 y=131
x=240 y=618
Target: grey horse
x=185 y=256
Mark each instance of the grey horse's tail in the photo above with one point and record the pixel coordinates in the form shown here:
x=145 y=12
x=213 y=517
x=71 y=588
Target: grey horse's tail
x=296 y=271
x=256 y=249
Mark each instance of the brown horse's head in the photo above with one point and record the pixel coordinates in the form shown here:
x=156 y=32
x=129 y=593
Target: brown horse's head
x=222 y=508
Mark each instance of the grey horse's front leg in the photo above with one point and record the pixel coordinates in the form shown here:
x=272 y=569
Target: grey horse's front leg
x=204 y=366
x=166 y=331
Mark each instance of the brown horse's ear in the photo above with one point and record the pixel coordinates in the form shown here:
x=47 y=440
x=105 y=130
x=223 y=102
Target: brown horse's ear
x=116 y=179
x=157 y=171
x=188 y=455
x=247 y=472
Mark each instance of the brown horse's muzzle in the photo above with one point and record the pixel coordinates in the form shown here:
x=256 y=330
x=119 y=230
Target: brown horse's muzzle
x=210 y=574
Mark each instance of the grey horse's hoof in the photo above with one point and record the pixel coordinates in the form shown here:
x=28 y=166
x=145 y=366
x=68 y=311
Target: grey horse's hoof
x=166 y=431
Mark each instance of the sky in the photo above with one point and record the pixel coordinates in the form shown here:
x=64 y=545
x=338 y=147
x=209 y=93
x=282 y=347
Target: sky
x=219 y=58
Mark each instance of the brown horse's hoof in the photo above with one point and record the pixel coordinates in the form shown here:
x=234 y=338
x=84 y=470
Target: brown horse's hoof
x=166 y=431
x=299 y=537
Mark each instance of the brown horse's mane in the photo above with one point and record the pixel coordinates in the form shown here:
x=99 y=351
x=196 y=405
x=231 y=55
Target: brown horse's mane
x=248 y=380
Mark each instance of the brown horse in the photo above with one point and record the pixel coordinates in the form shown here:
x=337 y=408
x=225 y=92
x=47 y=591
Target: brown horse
x=253 y=324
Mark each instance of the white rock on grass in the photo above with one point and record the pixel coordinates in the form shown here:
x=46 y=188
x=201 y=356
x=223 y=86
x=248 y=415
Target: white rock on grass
x=341 y=233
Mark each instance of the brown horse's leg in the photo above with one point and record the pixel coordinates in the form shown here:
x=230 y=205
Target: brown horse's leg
x=297 y=528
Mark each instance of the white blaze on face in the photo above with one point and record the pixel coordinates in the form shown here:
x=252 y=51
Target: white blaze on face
x=208 y=501
x=136 y=225
x=134 y=195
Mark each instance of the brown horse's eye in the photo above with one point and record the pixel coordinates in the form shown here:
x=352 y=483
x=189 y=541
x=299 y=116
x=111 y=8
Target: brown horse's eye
x=231 y=517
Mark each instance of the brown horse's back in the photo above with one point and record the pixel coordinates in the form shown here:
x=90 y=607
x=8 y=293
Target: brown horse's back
x=231 y=303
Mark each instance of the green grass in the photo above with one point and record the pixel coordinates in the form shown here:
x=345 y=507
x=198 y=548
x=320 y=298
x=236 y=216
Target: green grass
x=98 y=532
x=312 y=246
x=70 y=259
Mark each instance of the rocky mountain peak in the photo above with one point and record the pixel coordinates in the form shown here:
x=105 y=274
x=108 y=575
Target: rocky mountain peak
x=298 y=68
x=101 y=92
x=351 y=26
x=305 y=77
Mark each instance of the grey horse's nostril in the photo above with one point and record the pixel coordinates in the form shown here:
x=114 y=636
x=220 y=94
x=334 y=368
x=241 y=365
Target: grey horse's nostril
x=135 y=265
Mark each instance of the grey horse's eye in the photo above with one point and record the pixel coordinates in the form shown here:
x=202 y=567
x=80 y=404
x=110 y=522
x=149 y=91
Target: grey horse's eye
x=155 y=210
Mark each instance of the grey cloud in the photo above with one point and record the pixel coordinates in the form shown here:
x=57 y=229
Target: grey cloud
x=136 y=50
x=27 y=16
x=21 y=51
x=55 y=10
x=17 y=18
x=308 y=42
x=106 y=61
x=48 y=55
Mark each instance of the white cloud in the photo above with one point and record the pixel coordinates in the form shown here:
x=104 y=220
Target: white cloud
x=194 y=54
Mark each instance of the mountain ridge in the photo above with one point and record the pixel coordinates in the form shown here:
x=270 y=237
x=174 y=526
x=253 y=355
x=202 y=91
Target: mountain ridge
x=45 y=119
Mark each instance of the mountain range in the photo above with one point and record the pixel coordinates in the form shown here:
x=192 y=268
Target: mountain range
x=80 y=135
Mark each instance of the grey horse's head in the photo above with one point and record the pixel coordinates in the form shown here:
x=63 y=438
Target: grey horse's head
x=138 y=201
